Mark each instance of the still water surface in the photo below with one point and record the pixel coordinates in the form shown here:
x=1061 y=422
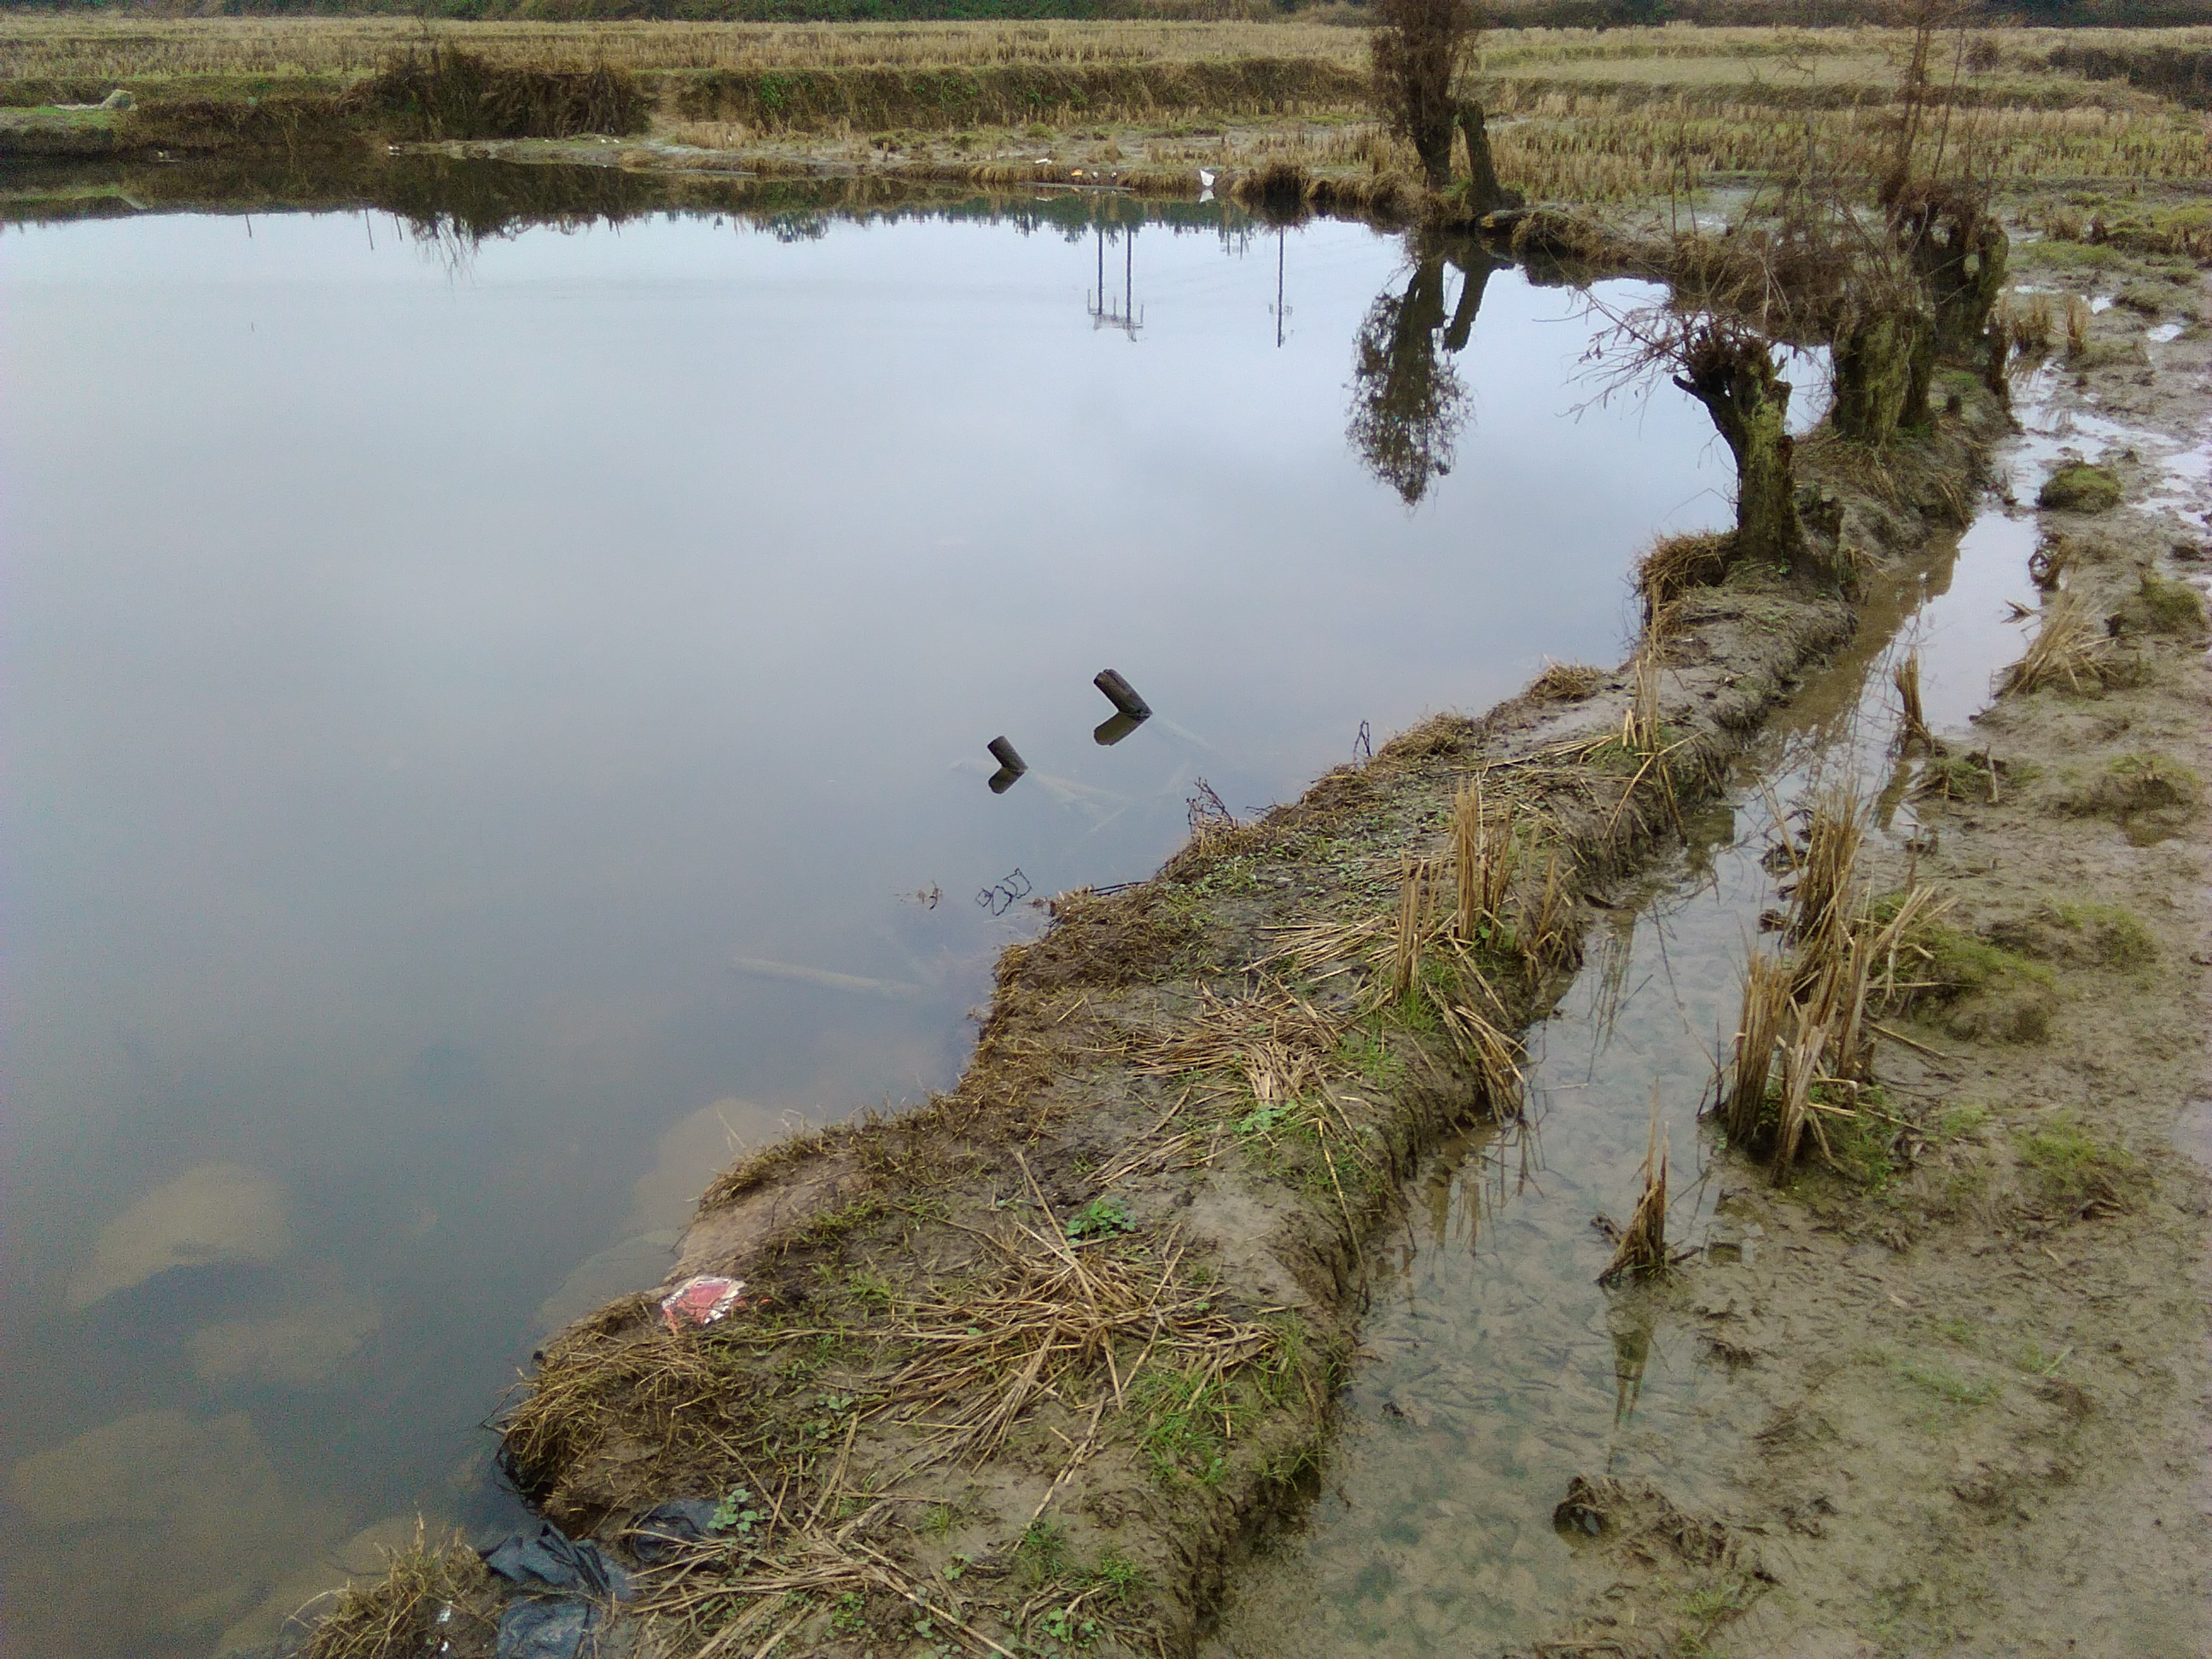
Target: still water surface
x=485 y=737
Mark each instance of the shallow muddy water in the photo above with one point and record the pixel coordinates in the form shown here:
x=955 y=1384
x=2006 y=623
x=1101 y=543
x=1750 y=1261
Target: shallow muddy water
x=493 y=729
x=1495 y=1369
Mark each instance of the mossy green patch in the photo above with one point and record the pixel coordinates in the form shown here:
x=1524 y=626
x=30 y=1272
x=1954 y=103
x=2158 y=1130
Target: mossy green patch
x=2073 y=1172
x=1961 y=1123
x=2133 y=784
x=1945 y=1384
x=2113 y=934
x=2081 y=488
x=2067 y=256
x=1960 y=961
x=2161 y=606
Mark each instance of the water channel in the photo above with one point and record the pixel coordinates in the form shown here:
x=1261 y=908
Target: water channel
x=495 y=726
x=1495 y=1369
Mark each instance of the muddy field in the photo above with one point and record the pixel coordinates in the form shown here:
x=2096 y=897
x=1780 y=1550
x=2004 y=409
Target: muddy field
x=1979 y=1371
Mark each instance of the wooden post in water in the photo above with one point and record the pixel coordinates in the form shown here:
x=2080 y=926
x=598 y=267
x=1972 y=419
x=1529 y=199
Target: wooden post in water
x=1122 y=695
x=1011 y=765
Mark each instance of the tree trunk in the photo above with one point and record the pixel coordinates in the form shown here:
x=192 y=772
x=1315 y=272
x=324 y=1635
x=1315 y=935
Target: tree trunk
x=1960 y=252
x=1432 y=142
x=1883 y=364
x=1484 y=193
x=1737 y=381
x=1997 y=374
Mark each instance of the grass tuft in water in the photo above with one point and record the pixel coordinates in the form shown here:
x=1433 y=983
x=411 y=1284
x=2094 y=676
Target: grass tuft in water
x=399 y=1612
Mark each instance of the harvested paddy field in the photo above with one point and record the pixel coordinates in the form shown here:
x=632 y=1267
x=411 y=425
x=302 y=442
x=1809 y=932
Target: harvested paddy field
x=1576 y=115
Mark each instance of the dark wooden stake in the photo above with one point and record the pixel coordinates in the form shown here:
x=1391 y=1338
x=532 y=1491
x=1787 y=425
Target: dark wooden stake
x=1122 y=695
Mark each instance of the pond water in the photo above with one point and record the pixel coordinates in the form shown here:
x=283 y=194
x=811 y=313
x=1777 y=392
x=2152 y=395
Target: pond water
x=491 y=729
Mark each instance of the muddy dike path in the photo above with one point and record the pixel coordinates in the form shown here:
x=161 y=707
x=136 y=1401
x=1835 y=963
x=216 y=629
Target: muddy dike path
x=1030 y=1369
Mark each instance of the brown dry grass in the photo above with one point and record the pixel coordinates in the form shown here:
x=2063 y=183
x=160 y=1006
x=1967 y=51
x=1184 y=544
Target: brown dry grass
x=1675 y=564
x=1766 y=987
x=1823 y=902
x=1056 y=1315
x=1577 y=116
x=1565 y=681
x=398 y=1612
x=1641 y=1251
x=1802 y=1043
x=2027 y=322
x=1275 y=1042
x=1484 y=853
x=1415 y=922
x=2068 y=650
x=1912 y=730
x=2077 y=327
x=77 y=46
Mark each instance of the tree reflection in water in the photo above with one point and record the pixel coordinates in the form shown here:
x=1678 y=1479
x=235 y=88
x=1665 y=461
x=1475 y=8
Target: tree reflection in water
x=1407 y=404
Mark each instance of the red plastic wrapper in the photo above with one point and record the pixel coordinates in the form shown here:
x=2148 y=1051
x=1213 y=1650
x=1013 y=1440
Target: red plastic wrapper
x=702 y=1300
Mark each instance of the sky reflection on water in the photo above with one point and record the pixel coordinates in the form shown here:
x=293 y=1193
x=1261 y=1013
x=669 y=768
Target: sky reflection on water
x=484 y=741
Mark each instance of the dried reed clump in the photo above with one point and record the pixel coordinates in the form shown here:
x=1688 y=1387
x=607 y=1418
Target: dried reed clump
x=2069 y=649
x=1546 y=933
x=1786 y=1043
x=1279 y=188
x=1821 y=901
x=1912 y=730
x=1417 y=901
x=1641 y=1252
x=1639 y=728
x=1052 y=1315
x=400 y=1612
x=619 y=1379
x=1215 y=833
x=2027 y=324
x=1565 y=681
x=1483 y=852
x=1675 y=564
x=1802 y=1034
x=1767 y=984
x=2077 y=326
x=1494 y=1055
x=1801 y=1068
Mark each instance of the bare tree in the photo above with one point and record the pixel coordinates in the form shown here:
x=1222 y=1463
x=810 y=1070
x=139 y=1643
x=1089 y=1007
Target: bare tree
x=1730 y=370
x=1728 y=365
x=1937 y=209
x=1416 y=50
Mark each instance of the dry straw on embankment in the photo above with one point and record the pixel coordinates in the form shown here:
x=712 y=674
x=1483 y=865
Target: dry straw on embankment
x=1063 y=1335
